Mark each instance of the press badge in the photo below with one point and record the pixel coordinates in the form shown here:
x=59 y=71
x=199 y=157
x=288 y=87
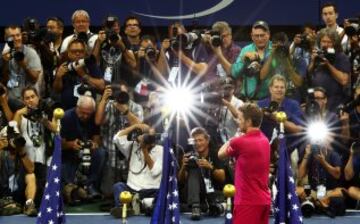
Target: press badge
x=321 y=191
x=108 y=74
x=13 y=183
x=208 y=185
x=173 y=74
x=220 y=70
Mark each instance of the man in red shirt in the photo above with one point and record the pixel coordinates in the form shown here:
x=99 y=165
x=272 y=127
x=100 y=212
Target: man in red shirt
x=252 y=154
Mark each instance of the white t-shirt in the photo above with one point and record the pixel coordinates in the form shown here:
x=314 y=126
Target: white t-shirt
x=140 y=176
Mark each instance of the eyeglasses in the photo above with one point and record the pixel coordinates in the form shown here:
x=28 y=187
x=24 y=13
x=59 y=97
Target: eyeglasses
x=135 y=25
x=258 y=36
x=74 y=51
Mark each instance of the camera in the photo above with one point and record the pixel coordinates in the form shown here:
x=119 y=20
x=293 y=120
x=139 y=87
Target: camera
x=14 y=138
x=85 y=156
x=282 y=51
x=312 y=108
x=353 y=29
x=304 y=42
x=307 y=206
x=150 y=52
x=17 y=55
x=315 y=149
x=121 y=97
x=193 y=157
x=148 y=139
x=325 y=54
x=186 y=40
x=273 y=106
x=84 y=62
x=83 y=36
x=216 y=40
x=111 y=35
x=44 y=110
x=83 y=88
x=252 y=66
x=349 y=106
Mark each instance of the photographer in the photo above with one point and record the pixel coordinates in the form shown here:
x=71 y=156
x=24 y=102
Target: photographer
x=83 y=159
x=330 y=68
x=148 y=76
x=228 y=126
x=81 y=23
x=80 y=72
x=110 y=51
x=187 y=56
x=22 y=66
x=352 y=173
x=278 y=102
x=116 y=111
x=203 y=175
x=145 y=157
x=34 y=126
x=280 y=62
x=5 y=112
x=17 y=179
x=223 y=50
x=322 y=165
x=303 y=43
x=248 y=64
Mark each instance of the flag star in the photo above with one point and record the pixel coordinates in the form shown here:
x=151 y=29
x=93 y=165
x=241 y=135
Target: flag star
x=170 y=178
x=56 y=180
x=295 y=207
x=291 y=179
x=301 y=219
x=289 y=196
x=54 y=167
x=49 y=210
x=172 y=163
x=57 y=214
x=175 y=193
x=57 y=194
x=39 y=214
x=173 y=219
x=47 y=184
x=170 y=207
x=168 y=195
x=288 y=214
x=171 y=151
x=174 y=205
x=51 y=222
x=277 y=209
x=47 y=197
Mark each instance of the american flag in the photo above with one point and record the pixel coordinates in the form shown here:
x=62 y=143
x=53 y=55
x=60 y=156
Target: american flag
x=52 y=205
x=287 y=207
x=167 y=208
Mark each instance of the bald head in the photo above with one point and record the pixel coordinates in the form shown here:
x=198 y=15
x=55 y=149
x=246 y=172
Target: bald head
x=85 y=107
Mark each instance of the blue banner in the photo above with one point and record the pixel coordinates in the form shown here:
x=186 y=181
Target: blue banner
x=163 y=12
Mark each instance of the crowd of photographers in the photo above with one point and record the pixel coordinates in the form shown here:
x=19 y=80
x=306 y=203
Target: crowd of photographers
x=110 y=85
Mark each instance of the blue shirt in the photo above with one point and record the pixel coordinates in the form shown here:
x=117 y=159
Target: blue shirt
x=294 y=114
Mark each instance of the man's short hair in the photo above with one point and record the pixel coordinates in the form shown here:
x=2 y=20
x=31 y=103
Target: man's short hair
x=80 y=12
x=11 y=27
x=85 y=100
x=200 y=131
x=253 y=113
x=221 y=27
x=261 y=25
x=130 y=18
x=58 y=20
x=277 y=77
x=321 y=89
x=29 y=88
x=329 y=4
x=77 y=41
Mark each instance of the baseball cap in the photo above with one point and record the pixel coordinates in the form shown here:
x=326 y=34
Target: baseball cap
x=261 y=24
